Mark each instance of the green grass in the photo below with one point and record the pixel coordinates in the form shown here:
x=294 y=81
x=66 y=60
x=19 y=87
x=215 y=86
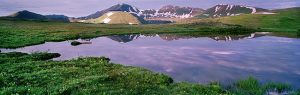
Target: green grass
x=286 y=20
x=252 y=86
x=19 y=33
x=298 y=33
x=33 y=74
x=16 y=57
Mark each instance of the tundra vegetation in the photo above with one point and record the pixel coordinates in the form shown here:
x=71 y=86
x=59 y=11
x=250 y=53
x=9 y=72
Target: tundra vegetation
x=298 y=33
x=34 y=73
x=23 y=73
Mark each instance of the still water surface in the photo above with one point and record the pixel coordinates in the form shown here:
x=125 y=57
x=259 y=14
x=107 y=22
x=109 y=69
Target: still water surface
x=192 y=58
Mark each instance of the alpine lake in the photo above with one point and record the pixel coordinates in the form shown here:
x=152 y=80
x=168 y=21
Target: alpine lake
x=189 y=58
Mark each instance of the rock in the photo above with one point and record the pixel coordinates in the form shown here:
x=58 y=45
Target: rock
x=76 y=43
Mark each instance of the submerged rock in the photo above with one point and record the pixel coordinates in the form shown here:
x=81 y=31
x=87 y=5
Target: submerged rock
x=76 y=43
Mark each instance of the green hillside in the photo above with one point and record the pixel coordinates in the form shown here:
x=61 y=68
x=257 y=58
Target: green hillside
x=283 y=20
x=116 y=18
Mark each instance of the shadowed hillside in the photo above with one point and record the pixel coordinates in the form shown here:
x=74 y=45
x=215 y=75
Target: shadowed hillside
x=27 y=15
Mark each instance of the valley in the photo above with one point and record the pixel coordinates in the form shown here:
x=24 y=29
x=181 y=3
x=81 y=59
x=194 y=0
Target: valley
x=223 y=50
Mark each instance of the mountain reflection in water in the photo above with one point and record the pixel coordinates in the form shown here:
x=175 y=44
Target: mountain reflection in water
x=192 y=58
x=171 y=37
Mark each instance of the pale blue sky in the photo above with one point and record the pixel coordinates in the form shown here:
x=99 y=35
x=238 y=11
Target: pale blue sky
x=77 y=8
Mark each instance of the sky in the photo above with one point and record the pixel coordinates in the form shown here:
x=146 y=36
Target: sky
x=79 y=8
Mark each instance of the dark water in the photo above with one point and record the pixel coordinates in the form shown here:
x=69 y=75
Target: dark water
x=193 y=58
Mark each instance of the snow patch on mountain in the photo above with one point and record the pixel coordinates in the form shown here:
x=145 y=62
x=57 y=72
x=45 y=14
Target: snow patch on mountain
x=170 y=11
x=217 y=8
x=229 y=7
x=110 y=13
x=106 y=20
x=231 y=10
x=253 y=9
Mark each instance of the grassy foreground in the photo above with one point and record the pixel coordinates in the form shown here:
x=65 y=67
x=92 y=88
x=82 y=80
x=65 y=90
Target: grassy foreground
x=34 y=74
x=284 y=20
x=19 y=33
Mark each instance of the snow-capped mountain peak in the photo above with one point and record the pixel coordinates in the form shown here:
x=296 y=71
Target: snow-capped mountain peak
x=119 y=7
x=170 y=11
x=231 y=10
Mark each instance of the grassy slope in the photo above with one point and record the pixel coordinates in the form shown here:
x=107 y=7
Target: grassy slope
x=117 y=18
x=36 y=75
x=285 y=23
x=284 y=20
x=18 y=33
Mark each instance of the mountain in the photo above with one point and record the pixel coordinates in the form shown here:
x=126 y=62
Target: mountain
x=118 y=7
x=239 y=37
x=231 y=10
x=117 y=17
x=58 y=18
x=172 y=37
x=282 y=20
x=28 y=15
x=34 y=16
x=124 y=38
x=170 y=11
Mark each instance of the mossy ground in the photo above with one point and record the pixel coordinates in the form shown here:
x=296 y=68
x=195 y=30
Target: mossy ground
x=298 y=33
x=33 y=74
